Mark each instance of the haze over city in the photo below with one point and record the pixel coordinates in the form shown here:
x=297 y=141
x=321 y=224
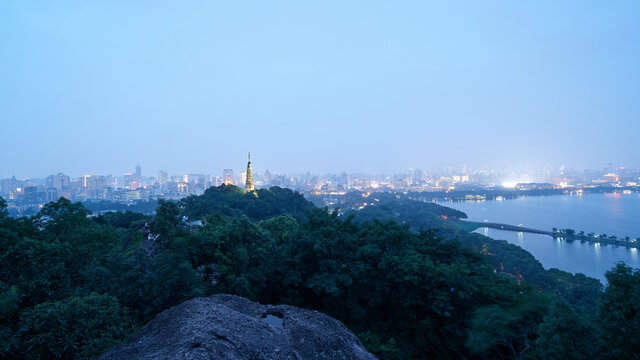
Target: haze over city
x=97 y=87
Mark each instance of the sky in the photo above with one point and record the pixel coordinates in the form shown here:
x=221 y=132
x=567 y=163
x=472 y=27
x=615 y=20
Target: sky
x=96 y=87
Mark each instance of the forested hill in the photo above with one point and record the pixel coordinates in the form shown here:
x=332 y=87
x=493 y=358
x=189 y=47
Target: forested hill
x=416 y=214
x=505 y=258
x=72 y=286
x=259 y=205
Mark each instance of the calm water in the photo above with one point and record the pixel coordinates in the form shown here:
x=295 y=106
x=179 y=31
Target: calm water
x=612 y=214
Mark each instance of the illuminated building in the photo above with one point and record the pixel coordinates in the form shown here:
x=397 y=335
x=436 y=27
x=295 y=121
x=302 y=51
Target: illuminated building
x=248 y=185
x=183 y=188
x=611 y=177
x=92 y=181
x=128 y=178
x=227 y=176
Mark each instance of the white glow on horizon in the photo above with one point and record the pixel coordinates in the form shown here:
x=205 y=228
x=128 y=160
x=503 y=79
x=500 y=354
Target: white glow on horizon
x=510 y=184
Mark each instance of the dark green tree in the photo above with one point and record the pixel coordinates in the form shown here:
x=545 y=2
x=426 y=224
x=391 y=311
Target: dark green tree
x=73 y=328
x=505 y=331
x=4 y=214
x=619 y=313
x=166 y=220
x=566 y=335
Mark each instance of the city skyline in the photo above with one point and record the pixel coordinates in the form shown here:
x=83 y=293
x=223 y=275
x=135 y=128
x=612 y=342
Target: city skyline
x=236 y=170
x=141 y=189
x=458 y=174
x=319 y=87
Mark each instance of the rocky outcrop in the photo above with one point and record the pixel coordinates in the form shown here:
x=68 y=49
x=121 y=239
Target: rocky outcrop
x=231 y=327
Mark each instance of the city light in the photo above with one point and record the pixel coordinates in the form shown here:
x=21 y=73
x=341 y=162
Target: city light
x=509 y=184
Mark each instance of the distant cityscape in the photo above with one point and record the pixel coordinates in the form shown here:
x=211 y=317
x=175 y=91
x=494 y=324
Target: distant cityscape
x=27 y=196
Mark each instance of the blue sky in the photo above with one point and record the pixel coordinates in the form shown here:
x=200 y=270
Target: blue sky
x=372 y=86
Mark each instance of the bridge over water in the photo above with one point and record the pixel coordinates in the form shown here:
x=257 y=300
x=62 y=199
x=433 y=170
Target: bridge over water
x=507 y=227
x=516 y=228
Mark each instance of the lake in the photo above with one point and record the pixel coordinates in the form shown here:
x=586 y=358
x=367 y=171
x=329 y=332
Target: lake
x=611 y=214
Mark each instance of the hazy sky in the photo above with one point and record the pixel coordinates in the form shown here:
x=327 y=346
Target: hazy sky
x=373 y=86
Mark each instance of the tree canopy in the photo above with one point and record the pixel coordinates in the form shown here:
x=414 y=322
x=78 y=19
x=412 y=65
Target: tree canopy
x=72 y=284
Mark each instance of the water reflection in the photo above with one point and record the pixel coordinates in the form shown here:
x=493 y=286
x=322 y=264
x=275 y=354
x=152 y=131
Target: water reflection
x=559 y=246
x=598 y=213
x=597 y=252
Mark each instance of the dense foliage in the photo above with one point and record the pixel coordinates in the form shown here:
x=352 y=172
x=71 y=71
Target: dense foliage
x=505 y=258
x=258 y=205
x=71 y=285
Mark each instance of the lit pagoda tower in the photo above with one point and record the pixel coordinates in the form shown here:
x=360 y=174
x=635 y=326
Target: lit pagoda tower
x=248 y=185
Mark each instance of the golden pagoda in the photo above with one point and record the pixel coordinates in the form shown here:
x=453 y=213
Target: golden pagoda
x=248 y=185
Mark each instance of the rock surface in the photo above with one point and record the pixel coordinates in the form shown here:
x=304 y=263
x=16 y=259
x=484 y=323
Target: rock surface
x=231 y=327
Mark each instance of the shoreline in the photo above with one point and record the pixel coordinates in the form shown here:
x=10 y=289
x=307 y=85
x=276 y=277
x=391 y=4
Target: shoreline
x=502 y=195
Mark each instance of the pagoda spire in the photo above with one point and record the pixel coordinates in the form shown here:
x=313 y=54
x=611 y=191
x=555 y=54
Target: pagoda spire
x=248 y=186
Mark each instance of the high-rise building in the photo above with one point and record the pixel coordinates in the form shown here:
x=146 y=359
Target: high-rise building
x=248 y=185
x=92 y=181
x=227 y=176
x=51 y=195
x=128 y=178
x=163 y=178
x=5 y=187
x=59 y=181
x=267 y=177
x=138 y=172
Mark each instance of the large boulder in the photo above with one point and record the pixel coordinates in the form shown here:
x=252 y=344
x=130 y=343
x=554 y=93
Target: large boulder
x=231 y=327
